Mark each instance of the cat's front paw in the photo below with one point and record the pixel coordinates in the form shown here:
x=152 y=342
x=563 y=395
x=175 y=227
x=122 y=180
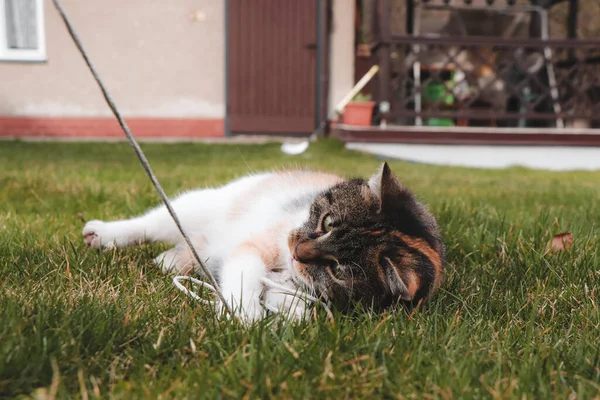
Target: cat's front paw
x=253 y=311
x=95 y=235
x=248 y=312
x=293 y=308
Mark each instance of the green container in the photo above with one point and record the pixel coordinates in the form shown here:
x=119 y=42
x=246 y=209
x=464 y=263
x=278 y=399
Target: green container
x=440 y=122
x=435 y=91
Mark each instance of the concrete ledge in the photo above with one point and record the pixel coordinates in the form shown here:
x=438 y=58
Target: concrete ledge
x=468 y=135
x=539 y=157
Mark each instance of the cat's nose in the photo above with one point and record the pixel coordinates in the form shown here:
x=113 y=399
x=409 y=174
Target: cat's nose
x=306 y=253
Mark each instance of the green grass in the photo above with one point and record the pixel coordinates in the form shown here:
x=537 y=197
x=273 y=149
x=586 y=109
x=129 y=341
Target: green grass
x=509 y=322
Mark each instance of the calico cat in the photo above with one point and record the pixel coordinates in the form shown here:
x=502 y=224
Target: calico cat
x=342 y=240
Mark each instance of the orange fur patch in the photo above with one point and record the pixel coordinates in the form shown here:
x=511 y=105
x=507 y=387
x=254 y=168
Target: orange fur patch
x=293 y=239
x=407 y=273
x=412 y=282
x=381 y=274
x=423 y=247
x=265 y=246
x=268 y=252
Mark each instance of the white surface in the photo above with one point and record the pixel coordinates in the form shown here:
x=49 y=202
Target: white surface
x=341 y=50
x=294 y=148
x=536 y=157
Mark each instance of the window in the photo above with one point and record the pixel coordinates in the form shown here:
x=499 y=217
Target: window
x=22 y=30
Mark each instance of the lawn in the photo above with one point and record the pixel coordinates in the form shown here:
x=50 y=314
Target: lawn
x=509 y=321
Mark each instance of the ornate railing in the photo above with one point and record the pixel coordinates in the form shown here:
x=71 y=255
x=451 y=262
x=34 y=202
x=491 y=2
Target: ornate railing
x=490 y=82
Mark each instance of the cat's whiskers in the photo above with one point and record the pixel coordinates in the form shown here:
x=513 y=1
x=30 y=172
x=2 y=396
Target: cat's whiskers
x=299 y=279
x=351 y=281
x=361 y=268
x=334 y=278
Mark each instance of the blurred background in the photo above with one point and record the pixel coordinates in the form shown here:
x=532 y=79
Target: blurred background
x=451 y=72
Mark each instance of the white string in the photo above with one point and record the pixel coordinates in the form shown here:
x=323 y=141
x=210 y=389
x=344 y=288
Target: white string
x=298 y=294
x=268 y=285
x=177 y=279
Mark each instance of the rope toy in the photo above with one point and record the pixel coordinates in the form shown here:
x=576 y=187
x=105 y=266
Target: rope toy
x=268 y=284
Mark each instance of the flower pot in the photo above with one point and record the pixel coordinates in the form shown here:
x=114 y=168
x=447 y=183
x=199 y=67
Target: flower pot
x=358 y=113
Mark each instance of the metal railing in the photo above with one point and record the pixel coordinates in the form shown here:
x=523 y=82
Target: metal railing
x=483 y=81
x=472 y=74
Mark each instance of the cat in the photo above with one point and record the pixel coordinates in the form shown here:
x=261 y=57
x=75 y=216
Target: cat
x=342 y=240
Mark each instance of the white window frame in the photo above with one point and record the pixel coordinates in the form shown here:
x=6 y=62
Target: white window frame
x=38 y=54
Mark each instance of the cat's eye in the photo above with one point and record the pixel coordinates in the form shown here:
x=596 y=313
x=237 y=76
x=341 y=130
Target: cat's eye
x=327 y=223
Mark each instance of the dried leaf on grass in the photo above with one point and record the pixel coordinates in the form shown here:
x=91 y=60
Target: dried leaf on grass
x=562 y=241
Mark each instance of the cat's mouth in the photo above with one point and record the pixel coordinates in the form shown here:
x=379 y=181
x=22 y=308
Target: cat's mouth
x=297 y=276
x=301 y=275
x=310 y=267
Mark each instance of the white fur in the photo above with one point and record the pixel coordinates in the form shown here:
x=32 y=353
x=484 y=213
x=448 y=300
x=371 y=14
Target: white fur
x=209 y=217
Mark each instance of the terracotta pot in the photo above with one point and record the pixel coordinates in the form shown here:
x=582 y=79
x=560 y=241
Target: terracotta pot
x=358 y=113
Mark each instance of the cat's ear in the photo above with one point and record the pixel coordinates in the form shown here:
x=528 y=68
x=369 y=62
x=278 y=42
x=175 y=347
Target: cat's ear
x=386 y=186
x=395 y=282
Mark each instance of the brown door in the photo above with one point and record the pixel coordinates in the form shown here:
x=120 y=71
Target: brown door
x=272 y=61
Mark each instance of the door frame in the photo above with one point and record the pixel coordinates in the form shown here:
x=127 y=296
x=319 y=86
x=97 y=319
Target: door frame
x=323 y=30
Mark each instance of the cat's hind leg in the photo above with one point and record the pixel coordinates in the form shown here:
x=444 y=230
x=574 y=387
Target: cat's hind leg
x=178 y=260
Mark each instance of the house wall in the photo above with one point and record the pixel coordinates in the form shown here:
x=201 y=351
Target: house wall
x=162 y=61
x=341 y=73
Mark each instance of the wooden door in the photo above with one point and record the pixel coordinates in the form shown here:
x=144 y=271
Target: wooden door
x=272 y=66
